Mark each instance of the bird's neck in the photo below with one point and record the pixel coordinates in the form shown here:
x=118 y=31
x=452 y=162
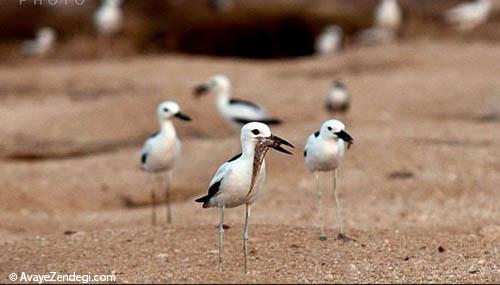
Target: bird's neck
x=167 y=128
x=222 y=96
x=222 y=100
x=248 y=150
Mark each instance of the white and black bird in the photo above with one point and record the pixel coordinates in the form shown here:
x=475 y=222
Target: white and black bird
x=239 y=180
x=108 y=19
x=234 y=111
x=467 y=16
x=162 y=149
x=329 y=41
x=388 y=15
x=338 y=99
x=42 y=44
x=324 y=152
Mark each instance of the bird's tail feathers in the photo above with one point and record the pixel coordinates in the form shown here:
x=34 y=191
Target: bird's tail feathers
x=205 y=199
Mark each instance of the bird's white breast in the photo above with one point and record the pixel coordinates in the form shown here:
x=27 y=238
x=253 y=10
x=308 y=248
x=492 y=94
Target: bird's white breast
x=162 y=153
x=337 y=96
x=324 y=155
x=235 y=186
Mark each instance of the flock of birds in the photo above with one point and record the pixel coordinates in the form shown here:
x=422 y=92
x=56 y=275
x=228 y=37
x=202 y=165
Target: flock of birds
x=239 y=181
x=388 y=17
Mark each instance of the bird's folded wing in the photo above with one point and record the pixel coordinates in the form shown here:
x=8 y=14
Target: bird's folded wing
x=219 y=174
x=146 y=149
x=246 y=112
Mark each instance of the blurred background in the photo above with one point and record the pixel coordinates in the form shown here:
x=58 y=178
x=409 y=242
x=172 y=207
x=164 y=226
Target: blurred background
x=419 y=187
x=250 y=29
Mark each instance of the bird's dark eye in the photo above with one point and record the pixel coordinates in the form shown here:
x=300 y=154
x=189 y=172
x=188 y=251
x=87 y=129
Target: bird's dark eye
x=255 y=131
x=165 y=110
x=329 y=128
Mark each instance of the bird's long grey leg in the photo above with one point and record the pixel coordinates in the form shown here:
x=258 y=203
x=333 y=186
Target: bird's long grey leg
x=245 y=236
x=153 y=205
x=337 y=202
x=220 y=232
x=341 y=234
x=320 y=208
x=167 y=197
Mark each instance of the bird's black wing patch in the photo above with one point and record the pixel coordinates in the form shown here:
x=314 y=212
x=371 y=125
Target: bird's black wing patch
x=265 y=121
x=154 y=135
x=243 y=102
x=316 y=134
x=305 y=152
x=214 y=188
x=144 y=157
x=235 y=157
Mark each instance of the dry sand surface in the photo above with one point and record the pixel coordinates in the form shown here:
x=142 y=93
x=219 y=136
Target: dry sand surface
x=72 y=131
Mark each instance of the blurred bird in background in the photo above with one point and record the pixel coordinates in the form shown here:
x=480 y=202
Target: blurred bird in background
x=329 y=41
x=387 y=21
x=108 y=19
x=468 y=16
x=338 y=99
x=42 y=44
x=235 y=112
x=388 y=15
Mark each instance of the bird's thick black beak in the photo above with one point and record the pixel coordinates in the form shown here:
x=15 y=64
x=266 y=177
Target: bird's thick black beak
x=182 y=116
x=201 y=89
x=345 y=137
x=275 y=143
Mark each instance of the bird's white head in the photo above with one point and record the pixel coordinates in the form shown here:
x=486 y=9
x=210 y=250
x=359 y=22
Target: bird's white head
x=255 y=130
x=46 y=35
x=335 y=129
x=169 y=109
x=218 y=84
x=255 y=133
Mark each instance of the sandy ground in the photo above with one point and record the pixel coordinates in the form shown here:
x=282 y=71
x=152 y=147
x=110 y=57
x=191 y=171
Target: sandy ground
x=72 y=132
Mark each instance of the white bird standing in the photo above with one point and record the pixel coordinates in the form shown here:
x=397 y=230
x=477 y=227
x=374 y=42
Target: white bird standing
x=43 y=43
x=239 y=180
x=329 y=41
x=324 y=151
x=108 y=19
x=467 y=16
x=388 y=15
x=234 y=111
x=338 y=99
x=162 y=149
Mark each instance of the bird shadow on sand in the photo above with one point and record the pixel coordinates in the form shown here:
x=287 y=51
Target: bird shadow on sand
x=27 y=148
